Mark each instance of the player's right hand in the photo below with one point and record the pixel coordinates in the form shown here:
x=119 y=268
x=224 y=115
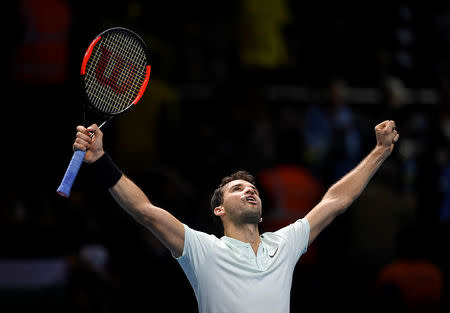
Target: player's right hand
x=90 y=140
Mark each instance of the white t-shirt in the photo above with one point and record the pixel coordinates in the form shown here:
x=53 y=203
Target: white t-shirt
x=227 y=277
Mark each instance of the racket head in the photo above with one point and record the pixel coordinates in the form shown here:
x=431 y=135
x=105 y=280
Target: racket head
x=115 y=71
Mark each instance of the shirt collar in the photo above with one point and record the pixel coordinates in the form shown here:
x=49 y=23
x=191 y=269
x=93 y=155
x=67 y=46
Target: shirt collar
x=235 y=242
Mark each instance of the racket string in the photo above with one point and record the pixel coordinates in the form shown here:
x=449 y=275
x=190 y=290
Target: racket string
x=122 y=77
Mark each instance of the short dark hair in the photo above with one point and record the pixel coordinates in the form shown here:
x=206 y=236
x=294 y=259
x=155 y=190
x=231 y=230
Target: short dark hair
x=217 y=197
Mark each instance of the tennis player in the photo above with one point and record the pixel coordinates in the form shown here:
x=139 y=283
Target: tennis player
x=244 y=271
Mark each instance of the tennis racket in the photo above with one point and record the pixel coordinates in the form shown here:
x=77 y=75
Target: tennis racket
x=114 y=75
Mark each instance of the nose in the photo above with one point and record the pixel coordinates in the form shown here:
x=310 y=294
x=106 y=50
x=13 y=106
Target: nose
x=250 y=191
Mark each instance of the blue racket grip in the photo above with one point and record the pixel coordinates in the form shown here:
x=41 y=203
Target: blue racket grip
x=71 y=173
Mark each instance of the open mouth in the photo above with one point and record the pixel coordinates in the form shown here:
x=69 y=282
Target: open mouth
x=251 y=199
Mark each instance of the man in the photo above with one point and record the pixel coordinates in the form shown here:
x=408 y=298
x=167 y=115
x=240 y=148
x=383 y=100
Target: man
x=243 y=271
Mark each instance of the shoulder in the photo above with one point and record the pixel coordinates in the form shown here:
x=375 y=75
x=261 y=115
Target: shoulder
x=195 y=239
x=299 y=227
x=197 y=247
x=295 y=236
x=199 y=235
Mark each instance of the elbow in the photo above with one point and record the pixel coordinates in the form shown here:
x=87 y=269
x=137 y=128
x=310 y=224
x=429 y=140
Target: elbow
x=344 y=203
x=341 y=200
x=340 y=204
x=145 y=215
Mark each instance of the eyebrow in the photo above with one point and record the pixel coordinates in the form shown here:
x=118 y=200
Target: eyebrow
x=240 y=185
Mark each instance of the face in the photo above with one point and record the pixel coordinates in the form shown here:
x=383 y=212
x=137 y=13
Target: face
x=241 y=202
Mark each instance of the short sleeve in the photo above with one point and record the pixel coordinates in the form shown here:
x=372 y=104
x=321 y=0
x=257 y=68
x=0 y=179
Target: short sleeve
x=196 y=247
x=297 y=237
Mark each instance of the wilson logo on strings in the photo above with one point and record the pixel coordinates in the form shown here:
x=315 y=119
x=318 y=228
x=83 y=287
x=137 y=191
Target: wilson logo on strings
x=118 y=65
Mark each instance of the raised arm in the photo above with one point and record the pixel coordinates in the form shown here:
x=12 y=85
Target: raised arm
x=342 y=194
x=161 y=223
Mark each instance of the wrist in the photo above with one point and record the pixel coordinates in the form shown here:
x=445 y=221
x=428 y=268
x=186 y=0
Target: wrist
x=382 y=151
x=98 y=155
x=106 y=171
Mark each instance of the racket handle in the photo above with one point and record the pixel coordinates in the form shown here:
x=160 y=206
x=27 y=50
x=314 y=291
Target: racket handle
x=71 y=173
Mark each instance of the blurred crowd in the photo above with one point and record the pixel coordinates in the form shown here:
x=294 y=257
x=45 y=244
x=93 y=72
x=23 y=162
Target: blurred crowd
x=289 y=91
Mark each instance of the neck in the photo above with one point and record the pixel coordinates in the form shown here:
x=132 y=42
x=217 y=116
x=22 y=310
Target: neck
x=245 y=233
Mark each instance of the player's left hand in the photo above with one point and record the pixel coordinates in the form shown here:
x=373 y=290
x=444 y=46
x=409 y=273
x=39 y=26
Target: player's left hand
x=386 y=135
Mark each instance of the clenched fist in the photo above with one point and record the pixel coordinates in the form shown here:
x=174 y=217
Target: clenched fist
x=90 y=140
x=386 y=135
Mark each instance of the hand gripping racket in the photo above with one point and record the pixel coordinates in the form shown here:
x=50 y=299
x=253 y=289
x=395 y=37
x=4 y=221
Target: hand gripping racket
x=114 y=75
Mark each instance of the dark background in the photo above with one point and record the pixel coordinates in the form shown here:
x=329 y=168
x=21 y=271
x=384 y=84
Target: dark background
x=267 y=86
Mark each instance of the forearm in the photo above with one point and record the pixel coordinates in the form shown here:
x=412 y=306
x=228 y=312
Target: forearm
x=161 y=223
x=348 y=188
x=132 y=199
x=342 y=194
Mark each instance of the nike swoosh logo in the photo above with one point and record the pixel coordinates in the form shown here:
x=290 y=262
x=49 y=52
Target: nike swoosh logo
x=272 y=255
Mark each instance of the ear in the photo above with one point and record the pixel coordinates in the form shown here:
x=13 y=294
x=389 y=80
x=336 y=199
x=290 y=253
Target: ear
x=219 y=211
